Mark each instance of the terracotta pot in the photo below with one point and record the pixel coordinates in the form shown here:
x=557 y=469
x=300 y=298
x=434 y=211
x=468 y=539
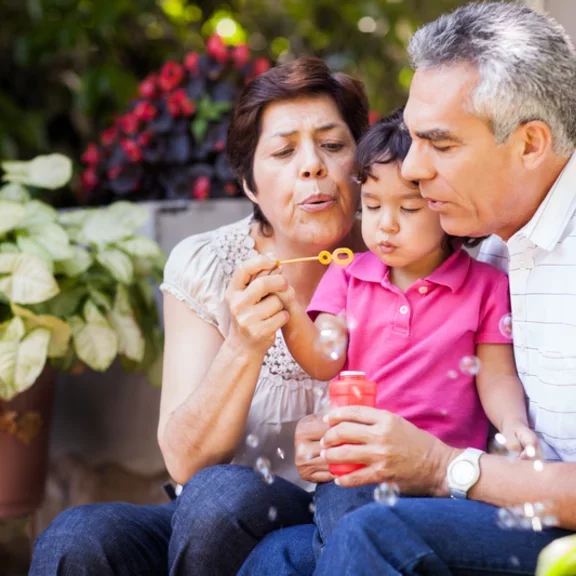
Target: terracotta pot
x=23 y=467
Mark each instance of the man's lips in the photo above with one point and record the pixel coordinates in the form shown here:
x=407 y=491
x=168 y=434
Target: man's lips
x=436 y=205
x=318 y=203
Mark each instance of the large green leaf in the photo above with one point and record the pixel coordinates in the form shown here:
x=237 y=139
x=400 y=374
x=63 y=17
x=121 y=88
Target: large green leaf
x=28 y=279
x=78 y=264
x=13 y=331
x=50 y=171
x=54 y=238
x=100 y=298
x=140 y=246
x=22 y=362
x=28 y=245
x=38 y=212
x=60 y=332
x=114 y=223
x=67 y=302
x=130 y=338
x=11 y=214
x=15 y=192
x=118 y=264
x=75 y=218
x=9 y=248
x=95 y=342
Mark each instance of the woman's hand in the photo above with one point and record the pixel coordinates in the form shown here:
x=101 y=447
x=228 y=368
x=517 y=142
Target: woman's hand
x=256 y=312
x=392 y=448
x=311 y=466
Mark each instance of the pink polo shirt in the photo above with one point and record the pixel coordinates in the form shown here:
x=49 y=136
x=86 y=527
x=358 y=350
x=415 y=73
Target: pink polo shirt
x=411 y=343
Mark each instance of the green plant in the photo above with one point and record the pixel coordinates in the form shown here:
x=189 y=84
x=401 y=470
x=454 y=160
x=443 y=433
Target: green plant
x=76 y=288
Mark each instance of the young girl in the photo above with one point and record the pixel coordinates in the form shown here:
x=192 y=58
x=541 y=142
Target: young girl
x=424 y=318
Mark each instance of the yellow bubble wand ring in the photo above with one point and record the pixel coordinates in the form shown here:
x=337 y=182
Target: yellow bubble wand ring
x=340 y=256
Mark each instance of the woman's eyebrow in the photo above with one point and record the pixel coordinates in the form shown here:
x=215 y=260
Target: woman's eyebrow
x=321 y=128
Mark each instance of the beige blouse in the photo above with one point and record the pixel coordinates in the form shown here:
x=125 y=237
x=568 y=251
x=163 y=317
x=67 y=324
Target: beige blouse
x=197 y=272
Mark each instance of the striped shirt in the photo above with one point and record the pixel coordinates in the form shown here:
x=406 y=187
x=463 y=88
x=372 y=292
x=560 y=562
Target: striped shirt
x=541 y=262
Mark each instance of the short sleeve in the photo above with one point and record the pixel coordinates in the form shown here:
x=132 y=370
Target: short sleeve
x=496 y=306
x=194 y=274
x=330 y=295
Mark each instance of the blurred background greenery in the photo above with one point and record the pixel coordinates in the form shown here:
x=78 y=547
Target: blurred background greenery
x=68 y=66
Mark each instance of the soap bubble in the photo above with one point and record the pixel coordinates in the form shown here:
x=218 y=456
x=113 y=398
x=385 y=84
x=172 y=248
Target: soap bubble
x=263 y=468
x=386 y=494
x=252 y=440
x=332 y=339
x=280 y=453
x=529 y=516
x=505 y=326
x=514 y=561
x=272 y=514
x=538 y=465
x=499 y=446
x=470 y=365
x=312 y=507
x=452 y=374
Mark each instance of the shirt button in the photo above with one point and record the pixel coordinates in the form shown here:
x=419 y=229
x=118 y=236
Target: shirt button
x=403 y=309
x=423 y=289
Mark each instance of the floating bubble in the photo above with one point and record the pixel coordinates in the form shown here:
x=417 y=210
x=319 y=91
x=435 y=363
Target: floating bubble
x=529 y=516
x=514 y=561
x=530 y=452
x=332 y=339
x=505 y=326
x=386 y=494
x=499 y=446
x=470 y=365
x=178 y=490
x=538 y=465
x=312 y=507
x=444 y=412
x=452 y=374
x=263 y=468
x=272 y=514
x=280 y=453
x=252 y=441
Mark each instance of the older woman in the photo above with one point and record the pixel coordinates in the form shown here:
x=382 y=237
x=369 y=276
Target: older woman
x=228 y=374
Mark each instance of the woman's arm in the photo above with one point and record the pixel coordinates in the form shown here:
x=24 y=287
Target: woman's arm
x=209 y=381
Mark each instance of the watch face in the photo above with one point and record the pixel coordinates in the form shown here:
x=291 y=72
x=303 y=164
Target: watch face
x=464 y=472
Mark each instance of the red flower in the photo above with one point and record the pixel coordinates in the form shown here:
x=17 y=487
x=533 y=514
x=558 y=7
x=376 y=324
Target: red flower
x=108 y=136
x=145 y=111
x=89 y=179
x=373 y=116
x=170 y=76
x=131 y=150
x=91 y=155
x=144 y=139
x=179 y=104
x=147 y=88
x=219 y=146
x=231 y=189
x=201 y=188
x=216 y=49
x=128 y=123
x=191 y=62
x=261 y=65
x=241 y=55
x=114 y=172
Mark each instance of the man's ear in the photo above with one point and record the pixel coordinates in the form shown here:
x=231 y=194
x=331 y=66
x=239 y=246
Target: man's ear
x=249 y=192
x=537 y=143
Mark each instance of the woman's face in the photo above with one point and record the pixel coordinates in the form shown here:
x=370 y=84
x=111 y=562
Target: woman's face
x=302 y=169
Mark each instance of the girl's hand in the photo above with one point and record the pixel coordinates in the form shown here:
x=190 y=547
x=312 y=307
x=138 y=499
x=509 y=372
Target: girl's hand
x=521 y=439
x=392 y=448
x=256 y=312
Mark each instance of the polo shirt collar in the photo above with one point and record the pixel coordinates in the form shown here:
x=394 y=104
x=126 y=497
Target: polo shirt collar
x=550 y=220
x=451 y=273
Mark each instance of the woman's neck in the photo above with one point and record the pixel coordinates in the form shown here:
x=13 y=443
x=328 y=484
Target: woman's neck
x=303 y=276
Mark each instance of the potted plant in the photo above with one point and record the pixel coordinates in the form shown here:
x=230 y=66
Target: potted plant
x=76 y=292
x=171 y=141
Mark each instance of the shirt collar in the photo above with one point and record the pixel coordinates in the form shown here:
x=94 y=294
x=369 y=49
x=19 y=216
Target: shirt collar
x=550 y=220
x=451 y=273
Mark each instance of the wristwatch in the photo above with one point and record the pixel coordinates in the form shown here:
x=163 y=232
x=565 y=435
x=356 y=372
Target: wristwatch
x=464 y=472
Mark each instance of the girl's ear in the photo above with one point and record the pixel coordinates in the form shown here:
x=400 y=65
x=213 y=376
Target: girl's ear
x=251 y=196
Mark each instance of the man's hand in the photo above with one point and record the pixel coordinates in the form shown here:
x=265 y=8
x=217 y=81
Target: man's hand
x=392 y=448
x=311 y=466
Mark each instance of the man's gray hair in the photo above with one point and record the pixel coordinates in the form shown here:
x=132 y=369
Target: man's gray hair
x=526 y=63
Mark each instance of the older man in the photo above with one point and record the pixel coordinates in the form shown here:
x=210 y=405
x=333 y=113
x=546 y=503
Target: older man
x=492 y=113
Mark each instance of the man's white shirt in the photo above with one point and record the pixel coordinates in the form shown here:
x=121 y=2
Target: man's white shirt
x=541 y=263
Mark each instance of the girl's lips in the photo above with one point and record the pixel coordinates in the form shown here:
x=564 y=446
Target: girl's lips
x=387 y=248
x=318 y=206
x=435 y=205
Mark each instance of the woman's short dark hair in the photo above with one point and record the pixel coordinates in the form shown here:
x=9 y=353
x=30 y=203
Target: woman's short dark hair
x=389 y=141
x=302 y=77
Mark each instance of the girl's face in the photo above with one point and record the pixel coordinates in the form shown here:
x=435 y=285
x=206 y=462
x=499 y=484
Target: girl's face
x=302 y=171
x=397 y=224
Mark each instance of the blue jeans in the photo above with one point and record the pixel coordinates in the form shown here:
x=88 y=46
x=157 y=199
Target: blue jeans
x=417 y=536
x=222 y=513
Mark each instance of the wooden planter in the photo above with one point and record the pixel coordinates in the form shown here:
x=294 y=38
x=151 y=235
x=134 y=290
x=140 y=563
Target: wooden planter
x=23 y=466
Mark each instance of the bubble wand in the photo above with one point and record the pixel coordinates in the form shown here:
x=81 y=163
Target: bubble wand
x=340 y=256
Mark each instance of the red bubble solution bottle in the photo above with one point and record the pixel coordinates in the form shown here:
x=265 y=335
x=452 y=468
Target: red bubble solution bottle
x=351 y=389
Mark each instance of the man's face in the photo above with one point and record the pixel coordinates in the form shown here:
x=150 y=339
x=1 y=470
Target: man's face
x=473 y=183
